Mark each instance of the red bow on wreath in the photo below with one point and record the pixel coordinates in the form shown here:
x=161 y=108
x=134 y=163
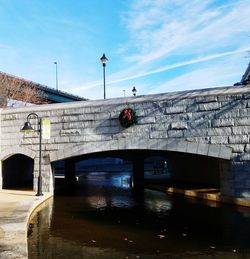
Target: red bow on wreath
x=127 y=117
x=127 y=114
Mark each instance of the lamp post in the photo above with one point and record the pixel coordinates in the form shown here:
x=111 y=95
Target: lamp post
x=28 y=128
x=56 y=76
x=104 y=61
x=134 y=91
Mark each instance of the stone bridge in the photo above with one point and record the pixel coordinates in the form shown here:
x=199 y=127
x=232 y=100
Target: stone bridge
x=203 y=133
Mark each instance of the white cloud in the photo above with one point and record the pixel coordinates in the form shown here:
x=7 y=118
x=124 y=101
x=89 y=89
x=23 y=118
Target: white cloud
x=164 y=68
x=207 y=76
x=157 y=36
x=162 y=28
x=165 y=35
x=193 y=31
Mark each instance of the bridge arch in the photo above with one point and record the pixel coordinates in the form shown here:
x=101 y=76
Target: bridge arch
x=17 y=150
x=17 y=168
x=135 y=143
x=193 y=158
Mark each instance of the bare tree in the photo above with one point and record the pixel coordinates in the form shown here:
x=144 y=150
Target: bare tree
x=17 y=89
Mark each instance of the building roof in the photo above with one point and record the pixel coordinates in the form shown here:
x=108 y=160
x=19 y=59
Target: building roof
x=246 y=77
x=57 y=96
x=52 y=95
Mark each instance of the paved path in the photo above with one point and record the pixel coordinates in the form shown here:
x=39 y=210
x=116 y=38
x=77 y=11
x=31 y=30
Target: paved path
x=15 y=210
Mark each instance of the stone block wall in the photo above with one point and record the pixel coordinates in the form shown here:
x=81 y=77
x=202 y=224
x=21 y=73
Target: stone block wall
x=216 y=117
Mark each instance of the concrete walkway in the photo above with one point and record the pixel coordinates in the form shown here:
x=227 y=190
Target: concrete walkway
x=15 y=210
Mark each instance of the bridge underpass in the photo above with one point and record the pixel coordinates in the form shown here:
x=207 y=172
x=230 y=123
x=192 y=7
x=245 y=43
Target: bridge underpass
x=17 y=172
x=164 y=168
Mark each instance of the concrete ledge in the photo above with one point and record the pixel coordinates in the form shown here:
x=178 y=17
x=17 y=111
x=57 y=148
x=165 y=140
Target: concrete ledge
x=16 y=208
x=205 y=194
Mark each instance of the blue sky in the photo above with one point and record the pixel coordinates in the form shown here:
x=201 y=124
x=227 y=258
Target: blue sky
x=155 y=45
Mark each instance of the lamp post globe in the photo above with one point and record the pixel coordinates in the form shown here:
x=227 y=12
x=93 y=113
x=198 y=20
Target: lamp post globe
x=134 y=91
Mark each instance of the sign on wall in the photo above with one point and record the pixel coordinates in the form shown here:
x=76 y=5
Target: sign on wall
x=46 y=128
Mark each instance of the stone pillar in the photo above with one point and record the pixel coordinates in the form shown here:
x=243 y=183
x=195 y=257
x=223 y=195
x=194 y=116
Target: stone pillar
x=226 y=179
x=52 y=166
x=49 y=183
x=69 y=171
x=238 y=179
x=1 y=177
x=138 y=173
x=47 y=175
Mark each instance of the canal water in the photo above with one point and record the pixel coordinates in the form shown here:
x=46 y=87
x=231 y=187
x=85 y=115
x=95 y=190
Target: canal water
x=103 y=219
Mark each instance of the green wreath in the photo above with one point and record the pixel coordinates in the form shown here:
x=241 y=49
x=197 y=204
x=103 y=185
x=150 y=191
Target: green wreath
x=127 y=117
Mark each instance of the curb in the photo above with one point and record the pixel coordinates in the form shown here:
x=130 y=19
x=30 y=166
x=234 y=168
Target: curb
x=14 y=227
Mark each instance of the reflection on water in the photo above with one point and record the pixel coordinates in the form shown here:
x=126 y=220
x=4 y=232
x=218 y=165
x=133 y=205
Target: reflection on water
x=120 y=180
x=104 y=219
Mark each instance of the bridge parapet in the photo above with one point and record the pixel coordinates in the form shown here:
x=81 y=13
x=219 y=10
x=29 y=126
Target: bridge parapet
x=216 y=120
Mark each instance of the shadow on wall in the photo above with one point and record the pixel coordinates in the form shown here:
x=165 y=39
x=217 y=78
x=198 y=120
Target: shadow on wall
x=195 y=169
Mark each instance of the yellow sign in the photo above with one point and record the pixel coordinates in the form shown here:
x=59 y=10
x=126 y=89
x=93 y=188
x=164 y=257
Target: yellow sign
x=46 y=129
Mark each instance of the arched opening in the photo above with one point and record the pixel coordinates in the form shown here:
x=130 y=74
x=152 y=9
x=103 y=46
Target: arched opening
x=184 y=171
x=106 y=169
x=18 y=172
x=194 y=170
x=164 y=168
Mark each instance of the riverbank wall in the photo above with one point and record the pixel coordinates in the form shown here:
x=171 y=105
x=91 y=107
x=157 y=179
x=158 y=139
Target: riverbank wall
x=16 y=207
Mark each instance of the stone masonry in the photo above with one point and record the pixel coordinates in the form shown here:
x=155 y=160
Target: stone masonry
x=210 y=122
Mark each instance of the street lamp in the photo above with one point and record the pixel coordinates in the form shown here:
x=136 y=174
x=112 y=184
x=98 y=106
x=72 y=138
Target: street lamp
x=28 y=128
x=134 y=91
x=104 y=61
x=56 y=76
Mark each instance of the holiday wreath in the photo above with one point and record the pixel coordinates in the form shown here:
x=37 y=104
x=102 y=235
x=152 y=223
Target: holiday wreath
x=127 y=117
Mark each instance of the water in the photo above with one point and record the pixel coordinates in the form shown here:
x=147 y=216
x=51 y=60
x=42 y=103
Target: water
x=102 y=218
